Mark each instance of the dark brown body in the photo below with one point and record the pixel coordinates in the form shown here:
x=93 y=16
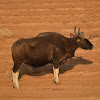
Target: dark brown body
x=39 y=51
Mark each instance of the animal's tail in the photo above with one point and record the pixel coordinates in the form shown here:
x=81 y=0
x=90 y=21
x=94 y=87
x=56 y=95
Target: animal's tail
x=7 y=74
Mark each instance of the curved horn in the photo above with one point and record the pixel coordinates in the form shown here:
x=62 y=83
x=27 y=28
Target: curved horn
x=78 y=31
x=75 y=31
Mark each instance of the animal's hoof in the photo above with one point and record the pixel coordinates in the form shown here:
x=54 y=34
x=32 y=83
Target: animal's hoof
x=17 y=87
x=56 y=82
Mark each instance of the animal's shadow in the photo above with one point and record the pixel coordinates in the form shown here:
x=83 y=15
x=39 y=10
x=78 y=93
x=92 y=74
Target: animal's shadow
x=68 y=65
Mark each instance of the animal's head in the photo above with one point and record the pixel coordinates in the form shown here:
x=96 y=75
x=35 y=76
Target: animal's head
x=81 y=40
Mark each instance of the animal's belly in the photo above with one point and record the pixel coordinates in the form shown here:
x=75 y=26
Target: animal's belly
x=36 y=65
x=38 y=62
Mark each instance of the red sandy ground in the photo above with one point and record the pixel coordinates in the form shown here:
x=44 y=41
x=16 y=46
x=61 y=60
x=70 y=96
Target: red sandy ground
x=80 y=76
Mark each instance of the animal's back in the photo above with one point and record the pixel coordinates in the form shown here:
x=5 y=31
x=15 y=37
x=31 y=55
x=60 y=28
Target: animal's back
x=54 y=37
x=48 y=34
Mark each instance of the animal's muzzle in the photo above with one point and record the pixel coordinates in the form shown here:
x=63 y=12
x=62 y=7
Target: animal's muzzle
x=91 y=47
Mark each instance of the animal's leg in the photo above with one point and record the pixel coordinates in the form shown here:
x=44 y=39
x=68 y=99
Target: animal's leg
x=56 y=58
x=15 y=74
x=56 y=75
x=15 y=79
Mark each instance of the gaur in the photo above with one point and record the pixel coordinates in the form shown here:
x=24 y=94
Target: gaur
x=47 y=47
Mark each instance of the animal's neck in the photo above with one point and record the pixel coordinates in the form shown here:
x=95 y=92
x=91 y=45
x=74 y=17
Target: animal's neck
x=71 y=43
x=70 y=47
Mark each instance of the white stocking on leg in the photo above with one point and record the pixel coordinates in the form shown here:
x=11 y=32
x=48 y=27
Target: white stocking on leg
x=15 y=79
x=56 y=75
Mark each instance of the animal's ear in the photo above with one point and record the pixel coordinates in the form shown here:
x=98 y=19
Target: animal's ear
x=72 y=36
x=81 y=35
